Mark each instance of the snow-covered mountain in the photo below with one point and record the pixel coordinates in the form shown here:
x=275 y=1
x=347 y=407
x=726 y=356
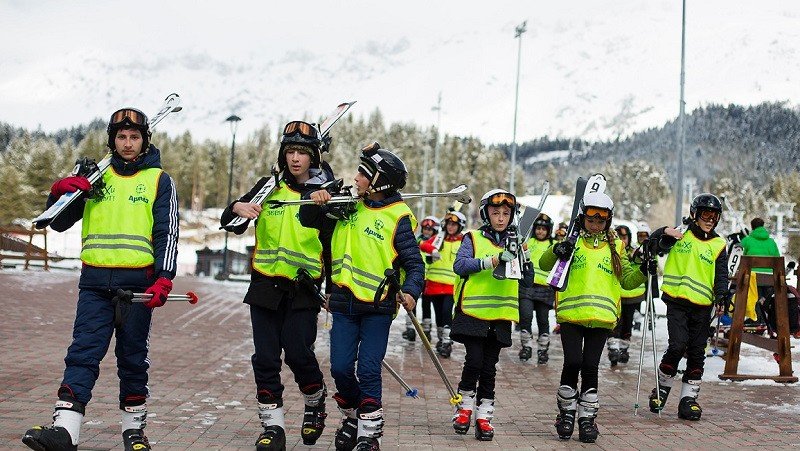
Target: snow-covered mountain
x=594 y=69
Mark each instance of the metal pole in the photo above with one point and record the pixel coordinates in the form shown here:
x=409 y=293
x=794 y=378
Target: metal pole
x=518 y=34
x=438 y=109
x=681 y=132
x=234 y=122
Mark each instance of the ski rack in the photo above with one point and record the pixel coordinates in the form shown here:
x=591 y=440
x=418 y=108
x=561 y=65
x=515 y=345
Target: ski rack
x=780 y=347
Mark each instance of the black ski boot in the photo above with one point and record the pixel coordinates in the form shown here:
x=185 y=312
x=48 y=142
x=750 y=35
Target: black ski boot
x=409 y=334
x=542 y=357
x=588 y=405
x=525 y=353
x=655 y=404
x=135 y=440
x=47 y=438
x=447 y=348
x=368 y=444
x=567 y=399
x=427 y=324
x=272 y=439
x=543 y=344
x=314 y=415
x=587 y=430
x=623 y=355
x=613 y=351
x=347 y=433
x=689 y=409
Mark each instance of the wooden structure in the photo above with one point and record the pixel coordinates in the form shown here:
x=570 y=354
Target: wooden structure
x=780 y=347
x=31 y=252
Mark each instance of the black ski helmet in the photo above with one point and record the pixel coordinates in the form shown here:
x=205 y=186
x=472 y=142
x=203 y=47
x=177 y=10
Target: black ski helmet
x=303 y=134
x=705 y=201
x=385 y=170
x=128 y=118
x=545 y=221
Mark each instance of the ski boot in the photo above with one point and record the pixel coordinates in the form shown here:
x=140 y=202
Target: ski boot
x=270 y=413
x=447 y=343
x=135 y=440
x=588 y=406
x=484 y=431
x=624 y=357
x=368 y=444
x=346 y=434
x=426 y=328
x=370 y=426
x=613 y=351
x=567 y=399
x=658 y=397
x=410 y=333
x=44 y=438
x=314 y=415
x=463 y=416
x=525 y=351
x=543 y=343
x=688 y=408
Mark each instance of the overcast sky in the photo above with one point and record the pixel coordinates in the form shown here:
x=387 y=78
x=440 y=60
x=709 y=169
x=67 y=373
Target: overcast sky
x=595 y=68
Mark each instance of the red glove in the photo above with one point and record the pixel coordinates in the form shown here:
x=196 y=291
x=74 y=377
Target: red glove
x=70 y=185
x=159 y=290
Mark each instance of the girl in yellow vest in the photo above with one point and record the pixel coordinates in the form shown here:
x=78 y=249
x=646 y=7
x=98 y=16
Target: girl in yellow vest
x=485 y=308
x=620 y=340
x=283 y=313
x=440 y=278
x=588 y=309
x=539 y=298
x=429 y=227
x=695 y=278
x=375 y=234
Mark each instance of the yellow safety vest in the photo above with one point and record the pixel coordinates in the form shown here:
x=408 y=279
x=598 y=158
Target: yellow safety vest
x=480 y=294
x=363 y=248
x=537 y=248
x=282 y=244
x=689 y=271
x=441 y=270
x=592 y=295
x=117 y=230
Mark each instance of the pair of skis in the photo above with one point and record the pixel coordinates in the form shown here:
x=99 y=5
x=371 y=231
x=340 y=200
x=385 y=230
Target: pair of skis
x=518 y=235
x=172 y=104
x=560 y=272
x=266 y=190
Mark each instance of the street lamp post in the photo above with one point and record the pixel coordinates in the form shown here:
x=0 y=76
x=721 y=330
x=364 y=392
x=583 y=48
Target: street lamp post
x=438 y=109
x=681 y=132
x=522 y=28
x=233 y=120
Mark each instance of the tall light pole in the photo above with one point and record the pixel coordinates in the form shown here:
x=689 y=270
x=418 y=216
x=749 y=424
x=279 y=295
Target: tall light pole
x=438 y=109
x=233 y=120
x=681 y=132
x=522 y=28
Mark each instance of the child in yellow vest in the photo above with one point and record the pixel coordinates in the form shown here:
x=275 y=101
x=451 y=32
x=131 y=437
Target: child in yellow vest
x=485 y=308
x=588 y=309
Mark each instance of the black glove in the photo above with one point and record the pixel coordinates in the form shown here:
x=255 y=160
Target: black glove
x=649 y=266
x=723 y=299
x=340 y=211
x=564 y=250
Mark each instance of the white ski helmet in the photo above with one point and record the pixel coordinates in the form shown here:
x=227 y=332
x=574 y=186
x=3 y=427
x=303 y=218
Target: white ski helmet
x=642 y=227
x=592 y=202
x=495 y=198
x=458 y=218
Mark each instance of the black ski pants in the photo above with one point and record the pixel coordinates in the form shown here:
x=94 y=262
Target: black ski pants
x=624 y=328
x=290 y=331
x=583 y=347
x=688 y=328
x=442 y=308
x=527 y=307
x=480 y=365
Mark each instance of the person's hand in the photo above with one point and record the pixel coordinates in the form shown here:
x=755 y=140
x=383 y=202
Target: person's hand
x=506 y=256
x=70 y=185
x=246 y=210
x=673 y=232
x=564 y=250
x=320 y=197
x=489 y=262
x=160 y=290
x=723 y=299
x=436 y=255
x=406 y=301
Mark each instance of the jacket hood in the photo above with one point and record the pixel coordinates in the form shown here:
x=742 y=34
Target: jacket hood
x=760 y=233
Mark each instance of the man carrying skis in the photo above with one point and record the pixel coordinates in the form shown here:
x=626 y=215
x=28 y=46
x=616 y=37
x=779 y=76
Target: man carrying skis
x=283 y=312
x=130 y=238
x=695 y=277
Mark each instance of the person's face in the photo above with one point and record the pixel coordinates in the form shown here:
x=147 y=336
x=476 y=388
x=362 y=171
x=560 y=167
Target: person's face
x=641 y=236
x=707 y=219
x=540 y=232
x=298 y=162
x=427 y=232
x=499 y=217
x=362 y=183
x=561 y=234
x=624 y=237
x=128 y=143
x=452 y=227
x=594 y=224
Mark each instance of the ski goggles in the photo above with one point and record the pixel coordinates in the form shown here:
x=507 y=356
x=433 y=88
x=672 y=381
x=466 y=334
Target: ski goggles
x=130 y=115
x=594 y=212
x=708 y=215
x=499 y=199
x=561 y=233
x=304 y=128
x=428 y=223
x=452 y=218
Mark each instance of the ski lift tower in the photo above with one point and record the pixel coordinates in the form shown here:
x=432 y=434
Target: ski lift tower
x=780 y=210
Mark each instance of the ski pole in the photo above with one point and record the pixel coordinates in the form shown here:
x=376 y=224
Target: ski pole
x=410 y=392
x=391 y=278
x=654 y=282
x=190 y=296
x=649 y=315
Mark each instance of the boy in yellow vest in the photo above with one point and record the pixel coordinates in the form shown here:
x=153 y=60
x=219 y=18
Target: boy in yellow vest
x=485 y=308
x=283 y=312
x=130 y=241
x=369 y=237
x=695 y=278
x=440 y=278
x=587 y=309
